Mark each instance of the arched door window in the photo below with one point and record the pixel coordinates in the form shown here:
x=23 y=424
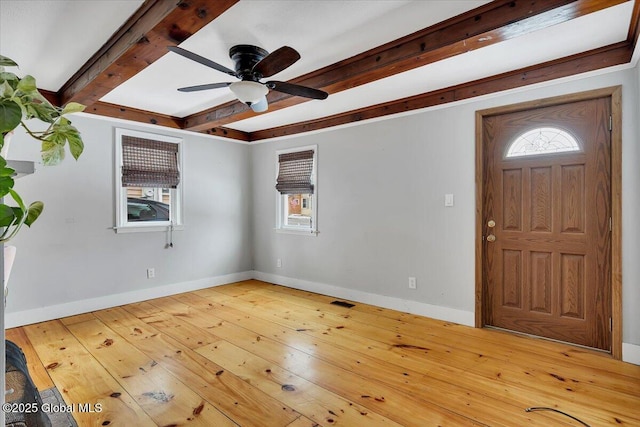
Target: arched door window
x=545 y=140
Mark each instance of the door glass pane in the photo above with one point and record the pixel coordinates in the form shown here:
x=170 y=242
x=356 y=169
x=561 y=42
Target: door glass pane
x=542 y=141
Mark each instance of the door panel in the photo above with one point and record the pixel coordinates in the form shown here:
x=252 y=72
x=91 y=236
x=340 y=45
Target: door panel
x=547 y=272
x=572 y=285
x=512 y=200
x=541 y=275
x=541 y=199
x=512 y=279
x=573 y=198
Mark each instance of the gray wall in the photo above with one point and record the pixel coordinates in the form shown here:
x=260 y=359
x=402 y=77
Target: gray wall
x=72 y=254
x=381 y=213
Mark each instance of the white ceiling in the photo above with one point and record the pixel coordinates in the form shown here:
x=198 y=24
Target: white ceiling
x=63 y=34
x=321 y=32
x=58 y=36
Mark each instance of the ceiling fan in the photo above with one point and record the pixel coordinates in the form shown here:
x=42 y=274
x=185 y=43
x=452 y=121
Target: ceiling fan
x=252 y=64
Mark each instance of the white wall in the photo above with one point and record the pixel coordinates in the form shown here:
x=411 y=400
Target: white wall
x=72 y=259
x=381 y=213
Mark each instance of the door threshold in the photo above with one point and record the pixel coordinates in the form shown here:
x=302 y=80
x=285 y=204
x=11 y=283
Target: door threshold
x=524 y=334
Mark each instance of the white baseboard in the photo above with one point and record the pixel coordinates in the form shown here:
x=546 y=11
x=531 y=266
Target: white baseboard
x=27 y=317
x=433 y=311
x=631 y=353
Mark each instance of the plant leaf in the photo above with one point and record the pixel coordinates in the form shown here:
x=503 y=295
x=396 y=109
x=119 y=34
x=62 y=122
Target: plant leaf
x=34 y=211
x=6 y=184
x=10 y=115
x=7 y=215
x=73 y=107
x=76 y=146
x=27 y=85
x=17 y=198
x=5 y=170
x=9 y=83
x=18 y=212
x=7 y=62
x=53 y=146
x=6 y=90
x=9 y=77
x=52 y=151
x=44 y=112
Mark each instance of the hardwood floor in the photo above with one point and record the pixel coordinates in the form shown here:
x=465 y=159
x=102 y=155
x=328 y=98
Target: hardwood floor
x=256 y=354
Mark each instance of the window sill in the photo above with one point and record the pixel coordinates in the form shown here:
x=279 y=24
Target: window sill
x=312 y=233
x=146 y=228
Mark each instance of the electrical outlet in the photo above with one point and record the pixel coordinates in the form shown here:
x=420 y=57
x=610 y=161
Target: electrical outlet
x=412 y=283
x=279 y=263
x=151 y=273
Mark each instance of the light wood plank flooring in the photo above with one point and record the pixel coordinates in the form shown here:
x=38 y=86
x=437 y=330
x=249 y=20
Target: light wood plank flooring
x=256 y=354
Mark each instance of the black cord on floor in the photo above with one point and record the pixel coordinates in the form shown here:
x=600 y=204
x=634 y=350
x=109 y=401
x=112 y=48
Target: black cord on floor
x=542 y=408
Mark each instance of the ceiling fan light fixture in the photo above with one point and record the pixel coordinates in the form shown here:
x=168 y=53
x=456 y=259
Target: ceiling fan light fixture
x=260 y=106
x=249 y=92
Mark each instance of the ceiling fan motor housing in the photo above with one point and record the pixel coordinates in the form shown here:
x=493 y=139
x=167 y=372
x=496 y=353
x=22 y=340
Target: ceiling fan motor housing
x=245 y=57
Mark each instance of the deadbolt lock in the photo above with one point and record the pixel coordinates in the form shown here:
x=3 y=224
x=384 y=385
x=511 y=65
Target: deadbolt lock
x=491 y=223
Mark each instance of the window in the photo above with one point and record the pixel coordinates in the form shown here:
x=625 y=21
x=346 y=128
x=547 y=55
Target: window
x=542 y=141
x=297 y=190
x=148 y=181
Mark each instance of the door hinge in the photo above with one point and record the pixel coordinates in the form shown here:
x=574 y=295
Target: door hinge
x=610 y=223
x=610 y=123
x=610 y=324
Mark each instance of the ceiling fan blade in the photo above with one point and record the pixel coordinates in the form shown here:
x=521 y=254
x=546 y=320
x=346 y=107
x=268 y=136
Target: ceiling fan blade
x=276 y=61
x=201 y=60
x=297 y=90
x=204 y=87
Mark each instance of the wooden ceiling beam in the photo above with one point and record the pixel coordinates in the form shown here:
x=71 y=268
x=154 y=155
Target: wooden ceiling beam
x=141 y=116
x=138 y=43
x=489 y=24
x=223 y=132
x=634 y=26
x=128 y=113
x=609 y=56
x=52 y=97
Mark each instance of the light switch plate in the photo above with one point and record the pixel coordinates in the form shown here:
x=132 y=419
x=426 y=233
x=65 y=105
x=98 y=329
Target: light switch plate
x=448 y=200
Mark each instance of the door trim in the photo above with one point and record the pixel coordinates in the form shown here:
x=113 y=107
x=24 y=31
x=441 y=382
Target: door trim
x=615 y=93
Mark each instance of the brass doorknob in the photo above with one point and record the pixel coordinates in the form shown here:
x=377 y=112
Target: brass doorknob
x=491 y=238
x=491 y=223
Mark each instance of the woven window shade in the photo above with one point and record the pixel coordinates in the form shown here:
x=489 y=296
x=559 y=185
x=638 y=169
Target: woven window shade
x=149 y=163
x=294 y=173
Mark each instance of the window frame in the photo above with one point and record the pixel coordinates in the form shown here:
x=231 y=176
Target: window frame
x=122 y=224
x=282 y=199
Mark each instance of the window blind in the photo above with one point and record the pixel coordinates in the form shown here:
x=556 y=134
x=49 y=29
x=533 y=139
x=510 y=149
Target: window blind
x=294 y=172
x=149 y=163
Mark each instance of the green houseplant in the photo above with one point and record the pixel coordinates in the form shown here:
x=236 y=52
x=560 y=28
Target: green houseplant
x=20 y=101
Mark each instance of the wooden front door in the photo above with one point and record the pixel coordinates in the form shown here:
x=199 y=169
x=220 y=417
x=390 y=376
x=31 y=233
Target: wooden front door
x=547 y=214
